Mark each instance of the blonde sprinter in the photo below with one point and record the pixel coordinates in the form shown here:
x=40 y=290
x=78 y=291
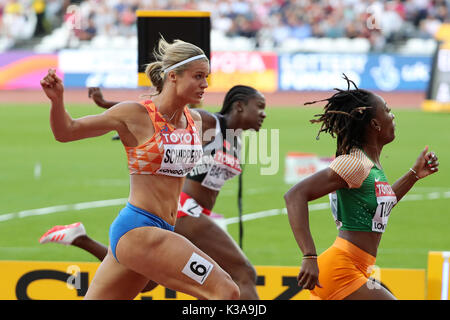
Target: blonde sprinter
x=242 y=109
x=143 y=245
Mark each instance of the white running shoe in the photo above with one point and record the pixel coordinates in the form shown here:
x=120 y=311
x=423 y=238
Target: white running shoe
x=63 y=234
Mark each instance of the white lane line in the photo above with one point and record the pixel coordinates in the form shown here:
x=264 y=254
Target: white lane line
x=322 y=206
x=246 y=217
x=62 y=208
x=273 y=212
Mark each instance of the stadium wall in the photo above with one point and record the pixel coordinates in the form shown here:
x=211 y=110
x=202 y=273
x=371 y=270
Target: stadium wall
x=23 y=280
x=268 y=72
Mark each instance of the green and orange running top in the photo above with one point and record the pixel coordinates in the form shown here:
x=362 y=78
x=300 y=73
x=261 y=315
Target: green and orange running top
x=367 y=202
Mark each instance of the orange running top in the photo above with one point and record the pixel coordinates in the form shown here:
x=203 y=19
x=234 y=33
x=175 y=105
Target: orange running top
x=170 y=151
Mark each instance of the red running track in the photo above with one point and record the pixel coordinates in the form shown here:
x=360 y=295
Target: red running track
x=278 y=99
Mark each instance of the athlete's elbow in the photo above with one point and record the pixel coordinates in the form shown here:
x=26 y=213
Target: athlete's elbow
x=293 y=194
x=61 y=137
x=288 y=197
x=63 y=134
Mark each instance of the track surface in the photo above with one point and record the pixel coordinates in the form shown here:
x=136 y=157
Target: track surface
x=411 y=100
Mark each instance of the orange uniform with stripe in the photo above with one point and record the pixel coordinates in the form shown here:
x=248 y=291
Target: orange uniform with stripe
x=170 y=151
x=343 y=269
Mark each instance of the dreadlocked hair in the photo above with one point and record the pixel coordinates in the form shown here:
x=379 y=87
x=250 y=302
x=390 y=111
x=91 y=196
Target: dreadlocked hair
x=237 y=93
x=346 y=115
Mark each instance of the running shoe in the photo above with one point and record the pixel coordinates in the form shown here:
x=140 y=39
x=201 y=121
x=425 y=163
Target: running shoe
x=63 y=234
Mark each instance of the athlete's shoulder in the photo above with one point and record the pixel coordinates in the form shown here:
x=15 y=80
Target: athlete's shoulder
x=129 y=104
x=353 y=167
x=127 y=109
x=205 y=115
x=207 y=118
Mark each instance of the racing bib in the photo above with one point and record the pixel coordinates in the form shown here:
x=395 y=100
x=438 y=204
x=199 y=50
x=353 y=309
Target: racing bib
x=224 y=167
x=334 y=209
x=386 y=200
x=181 y=151
x=191 y=207
x=198 y=268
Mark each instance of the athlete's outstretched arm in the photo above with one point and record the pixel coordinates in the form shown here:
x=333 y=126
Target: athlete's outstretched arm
x=426 y=164
x=64 y=127
x=96 y=95
x=297 y=198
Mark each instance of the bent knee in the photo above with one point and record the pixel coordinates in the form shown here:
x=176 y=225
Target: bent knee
x=224 y=288
x=234 y=294
x=228 y=290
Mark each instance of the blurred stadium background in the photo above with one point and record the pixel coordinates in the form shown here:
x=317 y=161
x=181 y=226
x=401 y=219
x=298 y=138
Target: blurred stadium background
x=294 y=51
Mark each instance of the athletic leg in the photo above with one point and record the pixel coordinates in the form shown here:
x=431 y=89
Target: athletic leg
x=204 y=233
x=113 y=281
x=75 y=234
x=99 y=250
x=174 y=262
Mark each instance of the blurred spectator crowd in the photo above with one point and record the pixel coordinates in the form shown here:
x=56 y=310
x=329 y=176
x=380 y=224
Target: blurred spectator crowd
x=274 y=21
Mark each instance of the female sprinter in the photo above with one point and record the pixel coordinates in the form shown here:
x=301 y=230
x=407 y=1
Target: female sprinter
x=242 y=109
x=163 y=144
x=361 y=197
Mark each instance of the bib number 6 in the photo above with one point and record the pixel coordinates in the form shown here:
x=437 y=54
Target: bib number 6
x=197 y=268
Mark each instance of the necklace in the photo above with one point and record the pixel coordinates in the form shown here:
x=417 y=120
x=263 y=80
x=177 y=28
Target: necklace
x=165 y=116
